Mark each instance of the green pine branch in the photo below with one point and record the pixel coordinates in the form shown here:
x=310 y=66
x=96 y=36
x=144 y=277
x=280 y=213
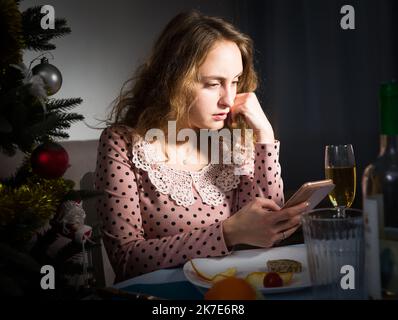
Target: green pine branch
x=21 y=110
x=63 y=121
x=23 y=120
x=66 y=119
x=57 y=134
x=28 y=125
x=39 y=130
x=35 y=37
x=62 y=104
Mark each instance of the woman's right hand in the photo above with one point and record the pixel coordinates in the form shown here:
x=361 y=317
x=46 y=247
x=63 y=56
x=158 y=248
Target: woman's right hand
x=262 y=223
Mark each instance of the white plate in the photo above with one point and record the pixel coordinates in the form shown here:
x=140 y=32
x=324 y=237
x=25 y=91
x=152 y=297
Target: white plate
x=246 y=261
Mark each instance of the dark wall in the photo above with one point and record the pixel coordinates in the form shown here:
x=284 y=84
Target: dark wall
x=319 y=82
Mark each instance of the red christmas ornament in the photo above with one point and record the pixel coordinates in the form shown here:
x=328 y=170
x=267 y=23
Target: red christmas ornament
x=49 y=160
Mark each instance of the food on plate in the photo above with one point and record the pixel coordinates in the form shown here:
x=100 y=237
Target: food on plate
x=257 y=279
x=218 y=277
x=264 y=279
x=231 y=288
x=286 y=277
x=230 y=272
x=272 y=280
x=284 y=265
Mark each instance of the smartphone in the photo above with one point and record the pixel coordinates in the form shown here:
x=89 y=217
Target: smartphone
x=313 y=192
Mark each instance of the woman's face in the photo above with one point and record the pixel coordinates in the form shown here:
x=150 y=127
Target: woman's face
x=216 y=90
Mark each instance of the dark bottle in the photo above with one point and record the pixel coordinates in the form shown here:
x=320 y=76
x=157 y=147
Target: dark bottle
x=380 y=194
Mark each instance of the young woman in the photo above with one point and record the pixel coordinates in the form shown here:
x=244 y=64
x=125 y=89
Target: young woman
x=166 y=203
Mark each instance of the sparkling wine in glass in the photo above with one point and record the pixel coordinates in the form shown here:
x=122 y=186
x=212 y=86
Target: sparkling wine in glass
x=340 y=167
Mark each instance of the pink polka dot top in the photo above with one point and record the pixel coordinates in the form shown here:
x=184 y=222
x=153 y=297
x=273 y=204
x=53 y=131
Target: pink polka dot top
x=155 y=217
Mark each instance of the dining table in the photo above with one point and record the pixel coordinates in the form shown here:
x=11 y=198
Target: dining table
x=173 y=284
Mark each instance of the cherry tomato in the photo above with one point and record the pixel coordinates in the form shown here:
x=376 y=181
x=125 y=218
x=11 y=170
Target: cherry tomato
x=272 y=280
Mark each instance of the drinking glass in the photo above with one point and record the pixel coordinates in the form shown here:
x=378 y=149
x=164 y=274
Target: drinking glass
x=340 y=167
x=336 y=253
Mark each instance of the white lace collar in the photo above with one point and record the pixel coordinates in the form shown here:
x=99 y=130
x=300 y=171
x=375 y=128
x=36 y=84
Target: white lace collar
x=211 y=182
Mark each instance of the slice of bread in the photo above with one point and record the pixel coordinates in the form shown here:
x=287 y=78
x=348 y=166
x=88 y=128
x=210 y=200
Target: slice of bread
x=284 y=265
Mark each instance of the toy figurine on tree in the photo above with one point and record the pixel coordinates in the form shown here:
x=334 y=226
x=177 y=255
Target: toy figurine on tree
x=34 y=198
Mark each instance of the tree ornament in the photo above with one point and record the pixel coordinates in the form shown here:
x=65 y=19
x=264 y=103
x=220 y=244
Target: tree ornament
x=50 y=74
x=70 y=221
x=49 y=160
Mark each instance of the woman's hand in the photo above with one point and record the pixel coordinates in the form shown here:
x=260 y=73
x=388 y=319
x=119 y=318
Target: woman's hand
x=247 y=105
x=261 y=223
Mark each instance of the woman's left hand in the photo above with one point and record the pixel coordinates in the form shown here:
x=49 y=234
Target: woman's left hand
x=247 y=105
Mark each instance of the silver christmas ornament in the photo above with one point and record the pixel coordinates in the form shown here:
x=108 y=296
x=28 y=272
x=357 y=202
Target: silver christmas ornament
x=50 y=74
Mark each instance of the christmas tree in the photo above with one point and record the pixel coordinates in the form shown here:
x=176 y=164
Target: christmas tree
x=32 y=199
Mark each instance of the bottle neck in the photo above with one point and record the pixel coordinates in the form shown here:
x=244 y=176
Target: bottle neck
x=388 y=144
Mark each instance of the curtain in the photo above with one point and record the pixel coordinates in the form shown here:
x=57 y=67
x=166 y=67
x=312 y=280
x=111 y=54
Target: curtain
x=319 y=83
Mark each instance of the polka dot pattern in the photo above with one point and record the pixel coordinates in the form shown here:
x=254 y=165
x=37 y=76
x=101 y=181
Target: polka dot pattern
x=145 y=230
x=265 y=180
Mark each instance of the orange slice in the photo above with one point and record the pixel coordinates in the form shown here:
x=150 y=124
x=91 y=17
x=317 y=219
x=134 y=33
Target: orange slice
x=199 y=273
x=230 y=272
x=218 y=277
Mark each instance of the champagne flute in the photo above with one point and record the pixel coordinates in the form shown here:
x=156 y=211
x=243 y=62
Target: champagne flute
x=340 y=167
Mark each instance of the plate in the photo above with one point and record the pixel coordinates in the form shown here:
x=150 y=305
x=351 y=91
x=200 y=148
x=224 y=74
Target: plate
x=247 y=261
